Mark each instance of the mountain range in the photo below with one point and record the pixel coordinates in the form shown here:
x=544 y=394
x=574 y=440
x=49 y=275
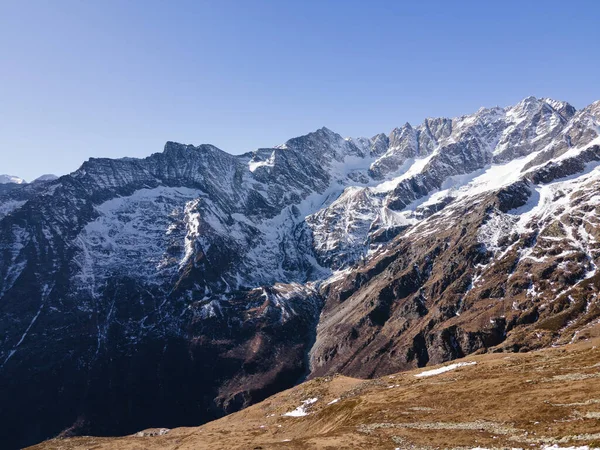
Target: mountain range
x=172 y=290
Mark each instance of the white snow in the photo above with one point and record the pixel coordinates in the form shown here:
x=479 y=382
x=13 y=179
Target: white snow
x=141 y=227
x=429 y=373
x=5 y=179
x=300 y=411
x=574 y=151
x=409 y=169
x=45 y=291
x=46 y=177
x=340 y=215
x=9 y=206
x=556 y=447
x=495 y=176
x=270 y=162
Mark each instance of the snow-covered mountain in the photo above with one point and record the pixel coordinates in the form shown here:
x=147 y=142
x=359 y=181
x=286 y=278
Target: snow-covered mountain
x=188 y=284
x=6 y=179
x=45 y=177
x=11 y=179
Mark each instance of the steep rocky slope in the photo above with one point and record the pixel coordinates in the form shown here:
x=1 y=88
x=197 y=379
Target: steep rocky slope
x=509 y=269
x=171 y=290
x=542 y=399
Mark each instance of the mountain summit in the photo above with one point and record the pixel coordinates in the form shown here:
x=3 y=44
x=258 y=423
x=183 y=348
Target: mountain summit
x=11 y=179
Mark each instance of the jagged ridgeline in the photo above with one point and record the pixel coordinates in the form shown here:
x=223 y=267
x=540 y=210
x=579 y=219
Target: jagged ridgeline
x=170 y=290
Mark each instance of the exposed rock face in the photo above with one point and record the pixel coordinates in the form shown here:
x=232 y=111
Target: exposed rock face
x=44 y=178
x=174 y=289
x=514 y=269
x=534 y=125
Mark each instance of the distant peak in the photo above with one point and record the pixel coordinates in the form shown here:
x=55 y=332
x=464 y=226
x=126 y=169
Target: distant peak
x=173 y=146
x=595 y=104
x=317 y=134
x=45 y=177
x=407 y=127
x=379 y=136
x=530 y=99
x=533 y=100
x=6 y=179
x=529 y=104
x=326 y=131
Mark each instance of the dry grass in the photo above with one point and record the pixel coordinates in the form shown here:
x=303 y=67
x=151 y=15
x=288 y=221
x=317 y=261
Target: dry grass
x=506 y=400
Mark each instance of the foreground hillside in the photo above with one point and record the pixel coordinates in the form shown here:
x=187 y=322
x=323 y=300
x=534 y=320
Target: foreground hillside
x=519 y=400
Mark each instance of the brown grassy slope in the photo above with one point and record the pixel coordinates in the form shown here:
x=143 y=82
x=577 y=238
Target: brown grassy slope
x=522 y=400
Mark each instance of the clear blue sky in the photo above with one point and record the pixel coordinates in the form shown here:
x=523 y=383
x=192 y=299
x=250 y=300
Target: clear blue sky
x=119 y=78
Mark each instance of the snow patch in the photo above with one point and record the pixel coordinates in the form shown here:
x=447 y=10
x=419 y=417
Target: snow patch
x=556 y=447
x=300 y=411
x=432 y=372
x=270 y=162
x=409 y=169
x=6 y=179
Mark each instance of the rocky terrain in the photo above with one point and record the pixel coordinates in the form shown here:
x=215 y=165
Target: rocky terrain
x=172 y=290
x=544 y=399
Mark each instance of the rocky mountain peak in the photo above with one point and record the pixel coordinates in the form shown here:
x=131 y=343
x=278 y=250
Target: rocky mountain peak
x=563 y=108
x=45 y=177
x=379 y=144
x=533 y=104
x=6 y=179
x=324 y=143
